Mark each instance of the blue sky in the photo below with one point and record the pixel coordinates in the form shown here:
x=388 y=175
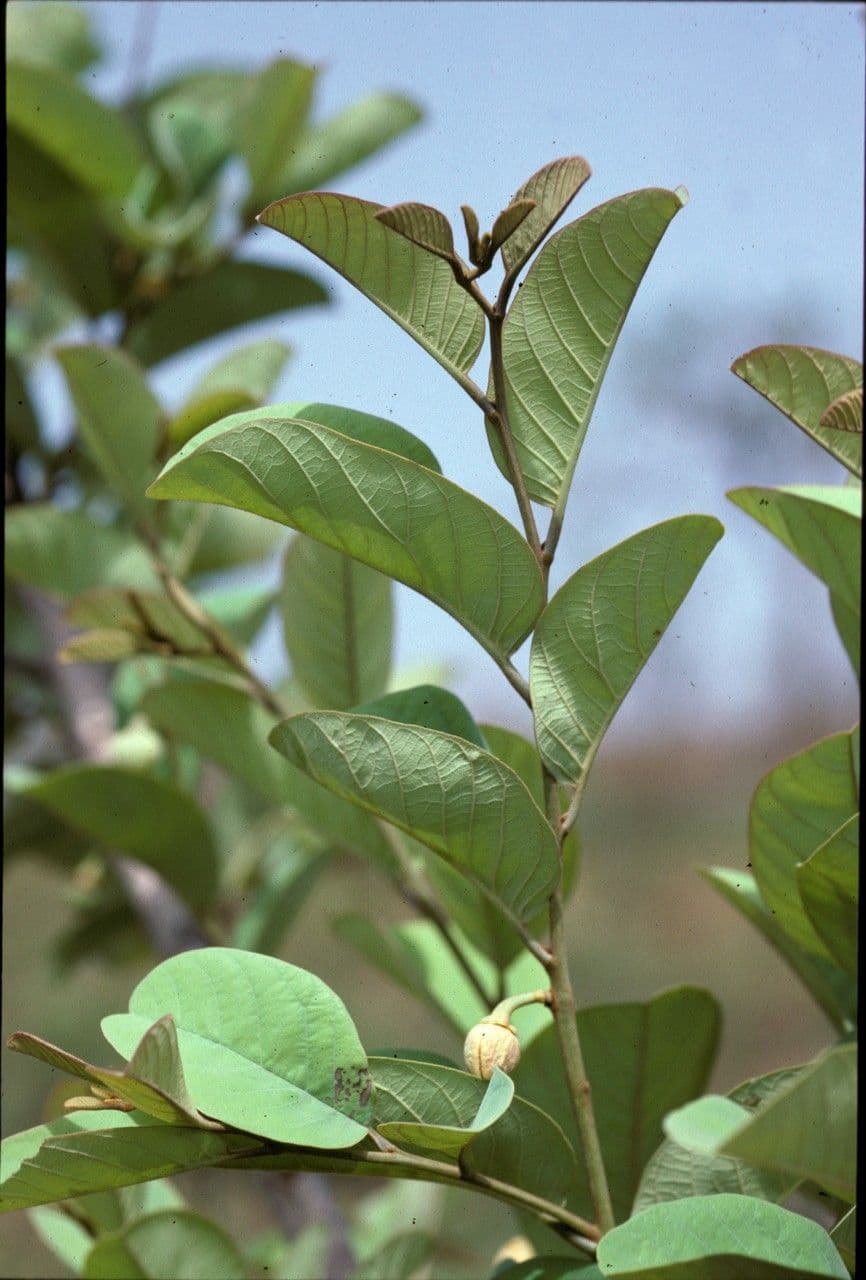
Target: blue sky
x=758 y=111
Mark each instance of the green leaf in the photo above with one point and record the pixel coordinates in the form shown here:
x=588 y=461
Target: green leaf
x=803 y=382
x=57 y=223
x=65 y=553
x=723 y=1237
x=829 y=888
x=402 y=1257
x=390 y=513
x=560 y=332
x=274 y=109
x=525 y=1148
x=223 y=538
x=91 y=141
x=844 y=1236
x=149 y=819
x=228 y=726
x=172 y=1244
x=429 y=706
x=67 y=1239
x=337 y=624
x=550 y=1268
x=468 y=907
x=118 y=416
x=844 y=413
x=241 y=380
x=821 y=524
x=150 y=618
x=642 y=1060
x=552 y=188
x=848 y=625
x=230 y=294
x=508 y=221
x=241 y=610
x=348 y=138
x=450 y=1139
x=51 y=35
x=417 y=290
x=798 y=806
x=152 y=1081
x=190 y=144
x=674 y=1172
x=458 y=800
x=833 y=990
x=412 y=955
x=421 y=224
x=287 y=880
x=96 y=1150
x=266 y=1047
x=809 y=1128
x=598 y=631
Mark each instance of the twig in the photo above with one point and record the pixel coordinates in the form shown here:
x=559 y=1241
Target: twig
x=565 y=1020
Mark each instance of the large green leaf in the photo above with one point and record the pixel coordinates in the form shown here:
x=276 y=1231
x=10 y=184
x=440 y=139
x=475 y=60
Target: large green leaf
x=430 y=706
x=598 y=631
x=145 y=817
x=56 y=222
x=266 y=1047
x=401 y=1258
x=230 y=294
x=722 y=1237
x=476 y=915
x=221 y=537
x=118 y=416
x=834 y=990
x=152 y=1081
x=552 y=1268
x=228 y=726
x=806 y=1128
x=809 y=1128
x=458 y=800
x=552 y=188
x=150 y=619
x=241 y=380
x=337 y=624
x=844 y=1236
x=390 y=513
x=90 y=140
x=415 y=288
x=348 y=138
x=273 y=111
x=642 y=1060
x=171 y=1244
x=50 y=35
x=413 y=955
x=67 y=552
x=803 y=382
x=848 y=625
x=829 y=889
x=98 y=1150
x=560 y=332
x=821 y=524
x=525 y=1148
x=798 y=806
x=451 y=1139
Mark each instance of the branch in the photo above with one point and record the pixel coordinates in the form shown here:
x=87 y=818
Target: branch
x=402 y=1164
x=564 y=1014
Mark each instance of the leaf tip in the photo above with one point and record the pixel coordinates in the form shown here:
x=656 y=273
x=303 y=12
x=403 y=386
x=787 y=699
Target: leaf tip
x=682 y=195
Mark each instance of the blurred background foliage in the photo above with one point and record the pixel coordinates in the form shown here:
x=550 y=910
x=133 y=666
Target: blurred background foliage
x=136 y=243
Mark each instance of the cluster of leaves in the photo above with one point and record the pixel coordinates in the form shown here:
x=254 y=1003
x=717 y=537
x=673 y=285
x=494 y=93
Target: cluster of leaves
x=225 y=790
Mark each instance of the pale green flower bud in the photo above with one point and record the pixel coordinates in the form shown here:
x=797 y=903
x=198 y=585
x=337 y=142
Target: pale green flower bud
x=489 y=1045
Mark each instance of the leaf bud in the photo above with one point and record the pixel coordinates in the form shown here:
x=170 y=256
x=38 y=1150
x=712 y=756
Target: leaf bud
x=489 y=1045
